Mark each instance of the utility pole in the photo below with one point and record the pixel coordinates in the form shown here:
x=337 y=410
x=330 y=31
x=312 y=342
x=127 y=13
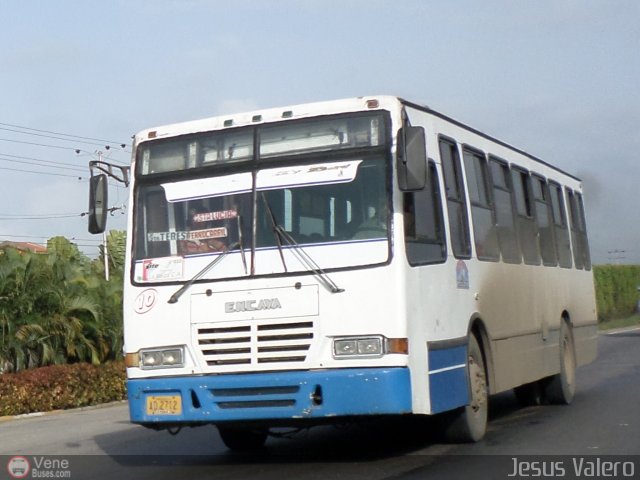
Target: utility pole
x=106 y=256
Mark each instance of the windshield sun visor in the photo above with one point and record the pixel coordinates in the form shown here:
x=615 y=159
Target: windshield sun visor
x=268 y=179
x=207 y=187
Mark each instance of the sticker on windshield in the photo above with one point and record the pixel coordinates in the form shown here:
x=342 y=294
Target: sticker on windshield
x=220 y=232
x=162 y=269
x=210 y=216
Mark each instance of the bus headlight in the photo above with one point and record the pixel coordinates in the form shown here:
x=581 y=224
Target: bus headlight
x=162 y=358
x=358 y=347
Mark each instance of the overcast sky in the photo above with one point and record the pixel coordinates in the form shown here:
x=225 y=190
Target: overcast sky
x=557 y=78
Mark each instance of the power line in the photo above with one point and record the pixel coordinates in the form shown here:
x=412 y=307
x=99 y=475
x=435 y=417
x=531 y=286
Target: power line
x=42 y=145
x=24 y=162
x=78 y=151
x=31 y=214
x=42 y=173
x=40 y=160
x=51 y=236
x=121 y=144
x=51 y=216
x=40 y=217
x=67 y=166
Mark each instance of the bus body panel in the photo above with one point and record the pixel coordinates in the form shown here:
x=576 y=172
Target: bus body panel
x=521 y=312
x=287 y=395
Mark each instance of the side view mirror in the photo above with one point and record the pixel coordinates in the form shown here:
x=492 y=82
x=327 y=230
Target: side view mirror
x=98 y=188
x=412 y=159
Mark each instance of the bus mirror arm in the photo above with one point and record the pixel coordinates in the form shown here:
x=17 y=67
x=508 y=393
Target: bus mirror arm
x=109 y=169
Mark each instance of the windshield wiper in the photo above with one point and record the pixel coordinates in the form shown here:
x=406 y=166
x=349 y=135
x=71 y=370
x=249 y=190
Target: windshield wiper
x=241 y=245
x=312 y=266
x=176 y=296
x=274 y=225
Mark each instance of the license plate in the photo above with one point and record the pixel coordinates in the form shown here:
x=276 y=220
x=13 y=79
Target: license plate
x=164 y=405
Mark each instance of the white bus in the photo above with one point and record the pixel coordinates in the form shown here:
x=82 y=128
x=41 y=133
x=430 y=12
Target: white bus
x=340 y=260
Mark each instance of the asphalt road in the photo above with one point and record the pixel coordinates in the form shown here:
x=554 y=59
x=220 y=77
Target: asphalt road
x=603 y=420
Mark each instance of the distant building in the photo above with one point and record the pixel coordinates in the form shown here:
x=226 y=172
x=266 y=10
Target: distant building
x=24 y=246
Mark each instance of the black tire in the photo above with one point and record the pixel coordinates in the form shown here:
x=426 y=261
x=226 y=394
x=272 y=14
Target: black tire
x=469 y=423
x=561 y=388
x=530 y=394
x=242 y=440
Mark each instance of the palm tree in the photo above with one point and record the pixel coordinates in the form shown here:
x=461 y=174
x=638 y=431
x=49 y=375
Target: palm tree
x=57 y=308
x=21 y=278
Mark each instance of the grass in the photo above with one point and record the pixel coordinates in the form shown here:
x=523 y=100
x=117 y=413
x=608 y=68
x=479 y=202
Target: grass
x=620 y=322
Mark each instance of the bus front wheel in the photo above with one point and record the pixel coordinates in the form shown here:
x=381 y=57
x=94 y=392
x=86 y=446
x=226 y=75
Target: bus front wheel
x=469 y=423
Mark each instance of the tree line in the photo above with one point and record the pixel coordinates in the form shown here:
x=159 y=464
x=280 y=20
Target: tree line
x=57 y=308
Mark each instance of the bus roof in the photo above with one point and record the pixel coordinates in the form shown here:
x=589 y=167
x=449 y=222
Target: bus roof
x=307 y=110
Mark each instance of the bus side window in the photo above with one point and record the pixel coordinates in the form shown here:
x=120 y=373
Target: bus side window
x=527 y=231
x=482 y=214
x=583 y=232
x=424 y=223
x=456 y=202
x=545 y=228
x=505 y=211
x=578 y=230
x=563 y=246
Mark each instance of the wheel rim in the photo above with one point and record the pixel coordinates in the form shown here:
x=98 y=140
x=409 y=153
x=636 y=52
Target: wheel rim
x=568 y=362
x=478 y=387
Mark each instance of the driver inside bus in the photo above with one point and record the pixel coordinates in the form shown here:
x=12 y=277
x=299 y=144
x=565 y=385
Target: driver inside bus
x=375 y=223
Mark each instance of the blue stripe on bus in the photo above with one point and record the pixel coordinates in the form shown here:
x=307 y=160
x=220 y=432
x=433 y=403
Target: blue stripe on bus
x=275 y=395
x=448 y=383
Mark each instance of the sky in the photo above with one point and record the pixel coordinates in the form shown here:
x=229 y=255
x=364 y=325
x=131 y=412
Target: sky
x=557 y=78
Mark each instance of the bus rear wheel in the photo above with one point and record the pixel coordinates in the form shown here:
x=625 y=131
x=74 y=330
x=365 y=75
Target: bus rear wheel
x=469 y=423
x=239 y=439
x=561 y=388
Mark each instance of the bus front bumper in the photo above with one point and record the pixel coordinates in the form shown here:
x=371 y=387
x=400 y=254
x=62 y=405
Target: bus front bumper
x=278 y=396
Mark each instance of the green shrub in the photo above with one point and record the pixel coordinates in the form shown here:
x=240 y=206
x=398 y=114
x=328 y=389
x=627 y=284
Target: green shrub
x=616 y=290
x=60 y=387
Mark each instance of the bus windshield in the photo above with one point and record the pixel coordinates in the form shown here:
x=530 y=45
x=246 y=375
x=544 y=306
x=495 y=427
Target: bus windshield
x=337 y=202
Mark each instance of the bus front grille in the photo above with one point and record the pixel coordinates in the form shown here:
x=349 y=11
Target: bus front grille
x=254 y=343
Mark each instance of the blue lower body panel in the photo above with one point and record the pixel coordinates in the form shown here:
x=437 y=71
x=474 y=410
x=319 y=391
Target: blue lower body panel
x=274 y=396
x=448 y=380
